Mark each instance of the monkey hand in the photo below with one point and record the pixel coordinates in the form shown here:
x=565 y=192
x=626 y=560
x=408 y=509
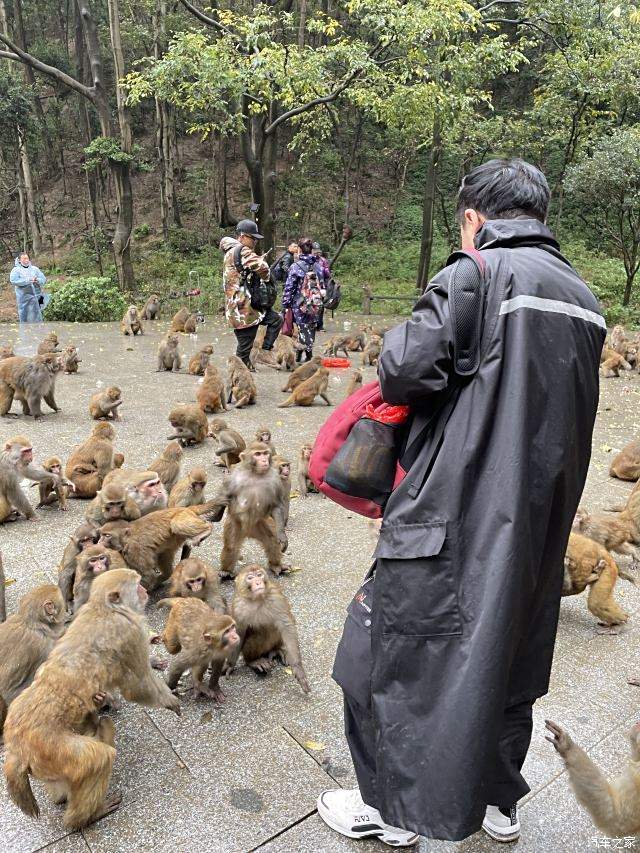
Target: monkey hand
x=561 y=741
x=99 y=698
x=155 y=639
x=173 y=704
x=301 y=677
x=283 y=541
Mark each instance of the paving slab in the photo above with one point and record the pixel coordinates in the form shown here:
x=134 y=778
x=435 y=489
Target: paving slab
x=245 y=775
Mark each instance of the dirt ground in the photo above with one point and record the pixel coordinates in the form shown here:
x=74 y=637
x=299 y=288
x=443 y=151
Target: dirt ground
x=245 y=775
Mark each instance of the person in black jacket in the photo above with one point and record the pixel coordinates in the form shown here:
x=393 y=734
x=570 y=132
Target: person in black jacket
x=450 y=640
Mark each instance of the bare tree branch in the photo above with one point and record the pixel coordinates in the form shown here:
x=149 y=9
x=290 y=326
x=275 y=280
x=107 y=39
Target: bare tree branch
x=20 y=55
x=499 y=3
x=204 y=19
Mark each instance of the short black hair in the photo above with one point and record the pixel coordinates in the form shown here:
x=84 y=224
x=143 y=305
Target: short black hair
x=505 y=189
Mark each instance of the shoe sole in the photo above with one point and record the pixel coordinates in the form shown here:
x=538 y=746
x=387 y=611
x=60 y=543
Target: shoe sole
x=379 y=834
x=507 y=839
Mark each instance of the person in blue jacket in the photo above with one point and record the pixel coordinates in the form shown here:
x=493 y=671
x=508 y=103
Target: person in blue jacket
x=28 y=282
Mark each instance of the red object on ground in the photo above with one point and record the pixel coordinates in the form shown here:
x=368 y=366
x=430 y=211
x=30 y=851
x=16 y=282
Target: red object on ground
x=336 y=362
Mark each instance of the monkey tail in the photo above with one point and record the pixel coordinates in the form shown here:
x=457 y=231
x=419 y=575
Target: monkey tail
x=19 y=787
x=623 y=573
x=167 y=602
x=286 y=403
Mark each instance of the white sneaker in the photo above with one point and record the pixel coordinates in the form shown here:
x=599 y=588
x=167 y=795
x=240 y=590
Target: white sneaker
x=346 y=812
x=502 y=824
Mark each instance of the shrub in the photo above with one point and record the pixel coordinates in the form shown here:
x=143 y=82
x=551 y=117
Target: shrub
x=141 y=231
x=184 y=242
x=85 y=300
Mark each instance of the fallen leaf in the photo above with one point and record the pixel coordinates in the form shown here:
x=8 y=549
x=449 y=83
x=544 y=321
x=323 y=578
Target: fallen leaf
x=9 y=581
x=315 y=745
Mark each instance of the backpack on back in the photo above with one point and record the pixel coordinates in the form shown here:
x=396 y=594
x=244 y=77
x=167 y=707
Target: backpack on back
x=310 y=299
x=333 y=295
x=262 y=293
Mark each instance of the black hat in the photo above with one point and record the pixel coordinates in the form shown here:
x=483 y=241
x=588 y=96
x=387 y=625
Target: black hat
x=249 y=227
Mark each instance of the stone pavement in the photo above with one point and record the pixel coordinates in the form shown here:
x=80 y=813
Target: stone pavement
x=245 y=776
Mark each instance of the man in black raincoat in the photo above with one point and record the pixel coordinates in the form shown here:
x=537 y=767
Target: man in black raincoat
x=449 y=642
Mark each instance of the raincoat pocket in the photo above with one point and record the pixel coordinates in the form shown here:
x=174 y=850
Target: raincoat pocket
x=352 y=666
x=416 y=581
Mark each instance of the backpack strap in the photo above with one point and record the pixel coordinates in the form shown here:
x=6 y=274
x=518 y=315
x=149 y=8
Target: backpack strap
x=237 y=258
x=466 y=305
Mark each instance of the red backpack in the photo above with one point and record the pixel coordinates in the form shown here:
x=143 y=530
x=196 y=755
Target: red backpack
x=362 y=451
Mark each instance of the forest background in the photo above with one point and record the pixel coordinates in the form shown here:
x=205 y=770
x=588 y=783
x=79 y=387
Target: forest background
x=134 y=133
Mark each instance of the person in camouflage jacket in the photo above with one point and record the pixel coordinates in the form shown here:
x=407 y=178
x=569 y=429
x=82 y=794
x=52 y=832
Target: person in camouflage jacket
x=243 y=318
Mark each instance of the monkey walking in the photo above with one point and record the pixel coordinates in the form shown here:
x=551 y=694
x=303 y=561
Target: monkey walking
x=614 y=805
x=587 y=563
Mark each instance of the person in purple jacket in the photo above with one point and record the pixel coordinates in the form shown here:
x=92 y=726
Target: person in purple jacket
x=304 y=293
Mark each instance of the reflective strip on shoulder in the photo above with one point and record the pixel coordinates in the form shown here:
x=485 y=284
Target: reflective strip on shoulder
x=552 y=306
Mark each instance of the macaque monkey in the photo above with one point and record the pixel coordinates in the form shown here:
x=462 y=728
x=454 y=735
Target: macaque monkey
x=355 y=383
x=190 y=490
x=92 y=562
x=90 y=462
x=198 y=363
x=626 y=464
x=587 y=563
x=262 y=356
x=16 y=464
x=168 y=355
x=266 y=625
x=85 y=535
x=619 y=342
x=303 y=372
x=190 y=424
x=263 y=434
x=230 y=444
x=305 y=484
x=240 y=385
x=380 y=331
x=112 y=503
x=193 y=578
x=306 y=392
x=52 y=491
x=105 y=404
x=616 y=532
x=6 y=351
x=143 y=488
x=254 y=494
x=53 y=731
x=28 y=380
x=284 y=352
x=150 y=543
x=371 y=352
x=26 y=639
x=614 y=805
x=260 y=336
x=151 y=308
x=179 y=319
x=167 y=465
x=356 y=341
x=49 y=344
x=69 y=360
x=335 y=345
x=199 y=638
x=131 y=323
x=611 y=367
x=190 y=325
x=210 y=393
x=283 y=467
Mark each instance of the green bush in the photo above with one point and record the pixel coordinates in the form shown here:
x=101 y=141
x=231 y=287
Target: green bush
x=85 y=300
x=185 y=242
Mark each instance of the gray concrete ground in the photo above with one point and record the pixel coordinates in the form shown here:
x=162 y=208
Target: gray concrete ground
x=245 y=776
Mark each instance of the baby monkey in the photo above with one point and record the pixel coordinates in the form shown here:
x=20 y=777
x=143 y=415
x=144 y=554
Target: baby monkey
x=105 y=404
x=50 y=492
x=198 y=638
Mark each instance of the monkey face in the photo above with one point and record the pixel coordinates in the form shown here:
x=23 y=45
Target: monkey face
x=86 y=541
x=99 y=564
x=52 y=611
x=54 y=469
x=152 y=492
x=230 y=637
x=264 y=436
x=195 y=584
x=285 y=471
x=198 y=485
x=113 y=510
x=256 y=582
x=306 y=452
x=261 y=460
x=26 y=455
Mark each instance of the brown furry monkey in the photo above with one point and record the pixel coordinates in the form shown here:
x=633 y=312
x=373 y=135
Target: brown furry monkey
x=51 y=491
x=303 y=372
x=131 y=323
x=230 y=444
x=167 y=465
x=190 y=490
x=151 y=308
x=198 y=362
x=105 y=404
x=254 y=495
x=355 y=382
x=193 y=578
x=306 y=392
x=168 y=355
x=26 y=639
x=305 y=484
x=53 y=731
x=190 y=424
x=16 y=463
x=179 y=319
x=626 y=464
x=266 y=625
x=240 y=385
x=198 y=638
x=69 y=360
x=210 y=393
x=91 y=461
x=587 y=563
x=614 y=805
x=29 y=380
x=92 y=562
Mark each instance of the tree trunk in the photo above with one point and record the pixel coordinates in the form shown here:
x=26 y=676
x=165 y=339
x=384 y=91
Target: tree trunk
x=302 y=28
x=34 y=225
x=165 y=128
x=22 y=202
x=628 y=287
x=259 y=153
x=428 y=206
x=121 y=171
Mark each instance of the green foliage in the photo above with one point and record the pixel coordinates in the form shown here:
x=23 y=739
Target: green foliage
x=142 y=231
x=103 y=149
x=85 y=300
x=184 y=242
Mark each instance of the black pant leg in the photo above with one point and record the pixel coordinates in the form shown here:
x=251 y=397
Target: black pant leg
x=358 y=728
x=506 y=784
x=273 y=321
x=245 y=338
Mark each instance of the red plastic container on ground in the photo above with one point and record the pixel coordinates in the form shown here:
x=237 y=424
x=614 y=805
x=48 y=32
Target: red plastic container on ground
x=336 y=362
